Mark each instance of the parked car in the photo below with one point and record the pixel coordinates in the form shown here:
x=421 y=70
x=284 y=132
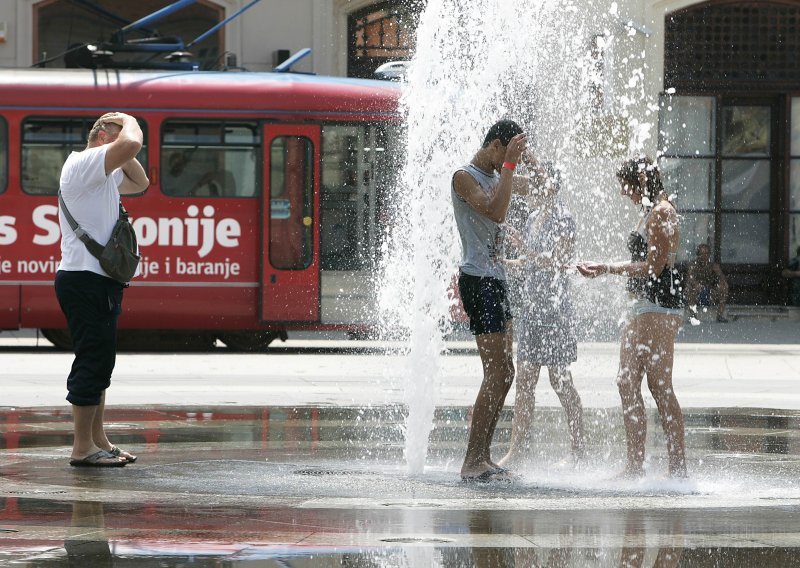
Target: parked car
x=392 y=71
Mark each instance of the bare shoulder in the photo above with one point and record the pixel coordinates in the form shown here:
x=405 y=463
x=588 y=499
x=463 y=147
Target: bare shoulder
x=664 y=213
x=463 y=183
x=663 y=219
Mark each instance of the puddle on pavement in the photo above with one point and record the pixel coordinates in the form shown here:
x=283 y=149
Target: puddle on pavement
x=380 y=428
x=319 y=486
x=94 y=534
x=101 y=555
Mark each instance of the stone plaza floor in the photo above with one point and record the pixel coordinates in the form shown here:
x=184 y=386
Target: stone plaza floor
x=295 y=458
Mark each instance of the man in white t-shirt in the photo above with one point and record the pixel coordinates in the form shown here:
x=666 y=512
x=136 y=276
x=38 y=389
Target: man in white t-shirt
x=91 y=183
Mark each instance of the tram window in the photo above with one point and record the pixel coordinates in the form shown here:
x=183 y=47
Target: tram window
x=360 y=164
x=3 y=155
x=46 y=143
x=209 y=159
x=291 y=226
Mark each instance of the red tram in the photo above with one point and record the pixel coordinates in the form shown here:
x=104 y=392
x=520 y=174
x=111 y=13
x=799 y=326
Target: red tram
x=264 y=212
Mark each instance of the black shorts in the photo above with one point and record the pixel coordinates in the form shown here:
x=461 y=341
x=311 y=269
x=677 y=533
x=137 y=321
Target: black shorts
x=486 y=302
x=92 y=304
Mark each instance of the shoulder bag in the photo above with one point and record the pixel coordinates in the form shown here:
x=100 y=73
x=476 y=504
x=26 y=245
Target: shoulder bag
x=119 y=258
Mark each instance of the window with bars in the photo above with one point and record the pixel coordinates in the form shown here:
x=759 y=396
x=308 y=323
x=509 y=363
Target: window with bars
x=381 y=33
x=732 y=43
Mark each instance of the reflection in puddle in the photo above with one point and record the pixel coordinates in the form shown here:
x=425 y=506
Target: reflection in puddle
x=318 y=486
x=379 y=428
x=90 y=534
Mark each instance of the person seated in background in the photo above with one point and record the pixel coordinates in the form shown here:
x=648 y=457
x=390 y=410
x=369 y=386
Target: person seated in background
x=792 y=272
x=177 y=179
x=215 y=183
x=705 y=283
x=192 y=174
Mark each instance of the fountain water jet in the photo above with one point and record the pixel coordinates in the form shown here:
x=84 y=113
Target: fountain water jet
x=478 y=61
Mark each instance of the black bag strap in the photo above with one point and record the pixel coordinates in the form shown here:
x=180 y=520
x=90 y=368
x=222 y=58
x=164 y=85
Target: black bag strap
x=95 y=248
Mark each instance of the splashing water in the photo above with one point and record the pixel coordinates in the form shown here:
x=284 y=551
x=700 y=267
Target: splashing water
x=478 y=61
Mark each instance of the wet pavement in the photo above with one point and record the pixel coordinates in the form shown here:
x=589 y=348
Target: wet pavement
x=324 y=486
x=295 y=458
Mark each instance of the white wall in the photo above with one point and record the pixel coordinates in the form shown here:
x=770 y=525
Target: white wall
x=276 y=24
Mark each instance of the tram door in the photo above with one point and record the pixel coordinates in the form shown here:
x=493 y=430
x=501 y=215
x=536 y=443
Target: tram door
x=290 y=237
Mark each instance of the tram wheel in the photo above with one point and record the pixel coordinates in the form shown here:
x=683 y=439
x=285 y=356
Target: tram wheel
x=251 y=341
x=58 y=337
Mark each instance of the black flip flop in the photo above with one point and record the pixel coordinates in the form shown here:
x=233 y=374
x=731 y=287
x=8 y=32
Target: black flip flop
x=94 y=460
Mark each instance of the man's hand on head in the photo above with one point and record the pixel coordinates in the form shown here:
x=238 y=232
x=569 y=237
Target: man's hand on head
x=515 y=148
x=117 y=118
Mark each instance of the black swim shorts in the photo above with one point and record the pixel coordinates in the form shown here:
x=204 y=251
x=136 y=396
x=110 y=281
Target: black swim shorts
x=486 y=302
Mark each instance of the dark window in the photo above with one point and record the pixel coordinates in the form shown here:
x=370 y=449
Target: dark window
x=381 y=33
x=725 y=44
x=291 y=203
x=46 y=143
x=209 y=159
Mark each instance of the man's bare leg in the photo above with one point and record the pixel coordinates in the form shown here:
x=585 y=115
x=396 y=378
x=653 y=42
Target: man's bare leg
x=497 y=378
x=522 y=424
x=99 y=431
x=98 y=426
x=511 y=373
x=83 y=444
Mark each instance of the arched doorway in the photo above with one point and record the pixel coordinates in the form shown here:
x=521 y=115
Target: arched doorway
x=60 y=25
x=730 y=132
x=380 y=33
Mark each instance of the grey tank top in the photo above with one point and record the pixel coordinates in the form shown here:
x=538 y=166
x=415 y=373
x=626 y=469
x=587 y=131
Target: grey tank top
x=482 y=240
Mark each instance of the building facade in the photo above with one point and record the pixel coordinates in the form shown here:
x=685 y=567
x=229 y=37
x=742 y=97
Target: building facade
x=723 y=75
x=728 y=78
x=346 y=37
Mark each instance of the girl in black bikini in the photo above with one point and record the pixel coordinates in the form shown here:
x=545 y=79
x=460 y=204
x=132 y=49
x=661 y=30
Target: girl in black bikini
x=648 y=339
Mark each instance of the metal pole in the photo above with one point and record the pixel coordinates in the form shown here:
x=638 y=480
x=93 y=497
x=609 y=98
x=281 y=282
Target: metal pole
x=204 y=35
x=159 y=14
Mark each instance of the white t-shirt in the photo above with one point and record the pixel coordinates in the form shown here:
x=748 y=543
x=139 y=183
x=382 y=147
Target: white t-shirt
x=93 y=201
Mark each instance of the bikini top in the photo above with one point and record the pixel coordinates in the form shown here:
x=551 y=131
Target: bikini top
x=664 y=289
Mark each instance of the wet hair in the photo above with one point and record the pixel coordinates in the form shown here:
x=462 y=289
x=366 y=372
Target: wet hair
x=701 y=246
x=629 y=173
x=504 y=131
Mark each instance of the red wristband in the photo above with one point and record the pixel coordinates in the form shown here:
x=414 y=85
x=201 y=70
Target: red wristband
x=509 y=165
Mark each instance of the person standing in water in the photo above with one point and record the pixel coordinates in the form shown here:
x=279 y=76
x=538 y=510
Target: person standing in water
x=546 y=332
x=481 y=191
x=648 y=338
x=92 y=181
